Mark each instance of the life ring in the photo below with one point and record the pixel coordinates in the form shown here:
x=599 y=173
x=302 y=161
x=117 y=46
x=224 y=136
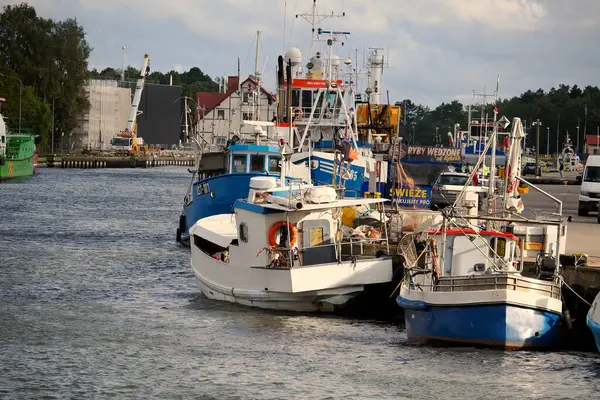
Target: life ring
x=276 y=226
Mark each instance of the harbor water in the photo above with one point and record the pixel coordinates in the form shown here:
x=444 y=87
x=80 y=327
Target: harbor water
x=98 y=301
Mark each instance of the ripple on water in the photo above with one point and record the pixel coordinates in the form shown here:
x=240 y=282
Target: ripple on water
x=97 y=301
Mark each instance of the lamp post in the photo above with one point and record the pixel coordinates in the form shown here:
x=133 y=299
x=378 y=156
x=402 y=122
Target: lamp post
x=436 y=135
x=577 y=149
x=20 y=95
x=537 y=123
x=548 y=141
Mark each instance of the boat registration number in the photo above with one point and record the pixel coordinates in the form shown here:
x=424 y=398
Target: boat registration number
x=203 y=189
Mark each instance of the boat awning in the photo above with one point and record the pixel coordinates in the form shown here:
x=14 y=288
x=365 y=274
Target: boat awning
x=219 y=229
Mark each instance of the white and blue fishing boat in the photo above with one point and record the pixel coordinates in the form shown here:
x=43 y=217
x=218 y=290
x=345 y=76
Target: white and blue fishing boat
x=477 y=296
x=593 y=320
x=470 y=290
x=212 y=193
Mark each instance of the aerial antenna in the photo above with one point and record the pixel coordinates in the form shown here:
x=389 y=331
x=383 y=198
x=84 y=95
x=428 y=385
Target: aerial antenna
x=314 y=19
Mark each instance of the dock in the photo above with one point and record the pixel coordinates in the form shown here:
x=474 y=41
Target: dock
x=113 y=161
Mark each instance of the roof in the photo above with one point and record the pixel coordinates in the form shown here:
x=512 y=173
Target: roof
x=592 y=140
x=207 y=101
x=219 y=229
x=321 y=206
x=469 y=231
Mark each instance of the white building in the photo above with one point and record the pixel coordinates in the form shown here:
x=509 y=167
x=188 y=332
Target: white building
x=220 y=115
x=107 y=116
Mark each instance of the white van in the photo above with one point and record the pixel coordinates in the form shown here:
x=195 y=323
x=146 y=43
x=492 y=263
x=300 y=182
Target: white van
x=590 y=186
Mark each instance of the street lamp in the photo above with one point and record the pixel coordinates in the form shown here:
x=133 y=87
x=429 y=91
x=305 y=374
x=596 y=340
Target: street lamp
x=537 y=123
x=577 y=150
x=20 y=92
x=436 y=134
x=548 y=141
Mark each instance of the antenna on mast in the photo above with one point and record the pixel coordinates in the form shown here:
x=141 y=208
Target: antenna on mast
x=316 y=19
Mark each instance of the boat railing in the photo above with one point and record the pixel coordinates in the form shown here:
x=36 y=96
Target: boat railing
x=345 y=250
x=495 y=282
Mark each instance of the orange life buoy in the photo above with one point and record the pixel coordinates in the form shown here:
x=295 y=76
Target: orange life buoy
x=276 y=226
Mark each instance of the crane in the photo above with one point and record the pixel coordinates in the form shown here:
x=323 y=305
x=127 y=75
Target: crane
x=128 y=139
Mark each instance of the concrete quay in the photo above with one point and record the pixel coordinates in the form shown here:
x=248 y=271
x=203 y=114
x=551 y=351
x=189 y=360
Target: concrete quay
x=112 y=161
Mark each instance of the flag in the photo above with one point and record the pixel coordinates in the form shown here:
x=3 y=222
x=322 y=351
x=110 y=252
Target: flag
x=495 y=110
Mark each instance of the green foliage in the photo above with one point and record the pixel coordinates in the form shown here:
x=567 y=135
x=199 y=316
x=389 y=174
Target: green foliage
x=35 y=113
x=51 y=58
x=192 y=81
x=561 y=109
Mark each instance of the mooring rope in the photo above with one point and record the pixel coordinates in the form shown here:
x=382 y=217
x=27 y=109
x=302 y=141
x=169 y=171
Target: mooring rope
x=572 y=290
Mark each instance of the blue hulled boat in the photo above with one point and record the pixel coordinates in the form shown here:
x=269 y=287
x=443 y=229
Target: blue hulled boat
x=223 y=177
x=593 y=320
x=470 y=290
x=477 y=297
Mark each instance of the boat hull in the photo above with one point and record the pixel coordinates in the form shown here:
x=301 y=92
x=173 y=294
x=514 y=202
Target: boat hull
x=593 y=320
x=322 y=163
x=16 y=168
x=213 y=196
x=296 y=289
x=496 y=323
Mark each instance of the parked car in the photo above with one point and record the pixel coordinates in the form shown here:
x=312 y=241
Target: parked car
x=529 y=168
x=590 y=187
x=446 y=189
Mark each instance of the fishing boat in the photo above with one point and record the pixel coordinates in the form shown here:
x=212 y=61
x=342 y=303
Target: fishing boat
x=283 y=248
x=16 y=152
x=593 y=320
x=212 y=193
x=469 y=290
x=568 y=157
x=311 y=113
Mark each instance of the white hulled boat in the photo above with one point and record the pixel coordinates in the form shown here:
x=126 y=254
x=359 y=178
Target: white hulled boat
x=283 y=249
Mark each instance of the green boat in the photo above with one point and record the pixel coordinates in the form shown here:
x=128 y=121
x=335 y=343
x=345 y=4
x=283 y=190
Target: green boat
x=16 y=152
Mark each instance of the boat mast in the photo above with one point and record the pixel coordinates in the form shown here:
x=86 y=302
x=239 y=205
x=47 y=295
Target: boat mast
x=314 y=19
x=258 y=76
x=492 y=180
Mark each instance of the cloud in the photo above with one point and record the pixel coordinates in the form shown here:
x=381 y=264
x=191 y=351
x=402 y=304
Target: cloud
x=439 y=50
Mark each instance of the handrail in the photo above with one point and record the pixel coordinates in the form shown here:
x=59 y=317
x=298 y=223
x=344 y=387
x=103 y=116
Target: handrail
x=560 y=203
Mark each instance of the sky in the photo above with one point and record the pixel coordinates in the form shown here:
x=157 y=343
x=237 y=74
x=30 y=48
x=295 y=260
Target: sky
x=436 y=50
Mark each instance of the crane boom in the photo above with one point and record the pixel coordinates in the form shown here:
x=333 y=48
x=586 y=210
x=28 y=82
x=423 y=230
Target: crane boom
x=135 y=104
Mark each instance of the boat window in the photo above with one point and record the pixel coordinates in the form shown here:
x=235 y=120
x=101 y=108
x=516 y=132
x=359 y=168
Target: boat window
x=239 y=163
x=499 y=245
x=307 y=96
x=316 y=236
x=257 y=163
x=295 y=97
x=243 y=233
x=275 y=164
x=592 y=174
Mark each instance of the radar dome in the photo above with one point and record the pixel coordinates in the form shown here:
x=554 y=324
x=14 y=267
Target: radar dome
x=293 y=54
x=335 y=61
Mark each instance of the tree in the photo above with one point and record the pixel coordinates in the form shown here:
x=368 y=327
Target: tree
x=50 y=57
x=35 y=112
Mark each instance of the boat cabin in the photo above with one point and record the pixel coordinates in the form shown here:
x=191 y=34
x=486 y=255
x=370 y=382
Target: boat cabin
x=272 y=230
x=470 y=252
x=254 y=158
